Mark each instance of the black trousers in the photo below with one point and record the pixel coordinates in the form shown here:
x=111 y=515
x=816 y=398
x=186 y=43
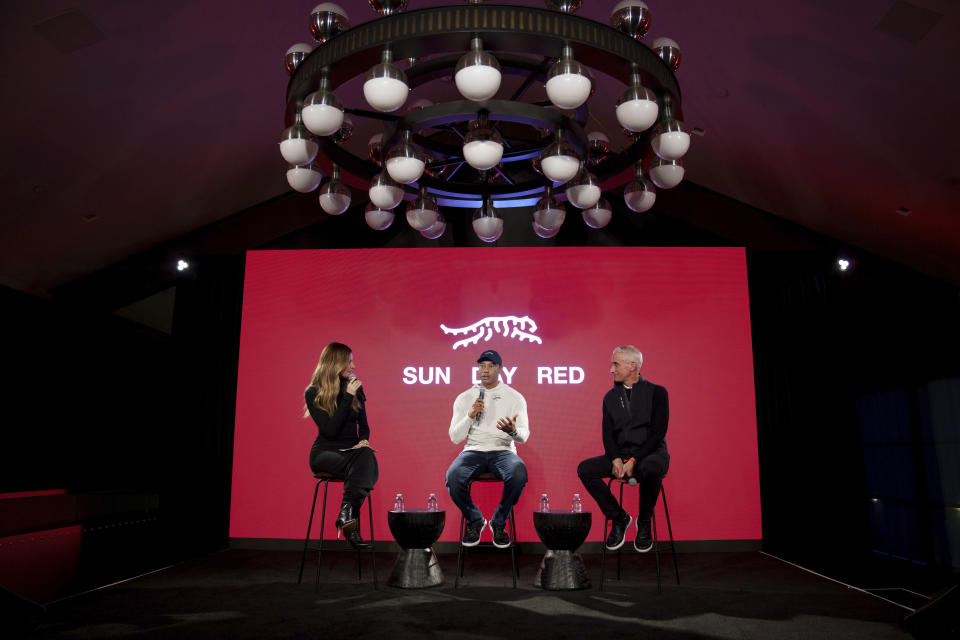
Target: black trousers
x=649 y=472
x=357 y=467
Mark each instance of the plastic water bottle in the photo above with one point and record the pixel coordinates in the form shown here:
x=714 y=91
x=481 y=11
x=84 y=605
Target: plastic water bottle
x=577 y=505
x=398 y=502
x=432 y=502
x=544 y=502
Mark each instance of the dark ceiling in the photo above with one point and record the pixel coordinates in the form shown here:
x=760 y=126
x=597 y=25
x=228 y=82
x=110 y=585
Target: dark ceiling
x=130 y=124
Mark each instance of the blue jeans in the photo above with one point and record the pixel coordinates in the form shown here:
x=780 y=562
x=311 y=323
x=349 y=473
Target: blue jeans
x=506 y=465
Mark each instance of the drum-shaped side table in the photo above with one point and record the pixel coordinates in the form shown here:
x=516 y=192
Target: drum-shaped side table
x=562 y=532
x=416 y=530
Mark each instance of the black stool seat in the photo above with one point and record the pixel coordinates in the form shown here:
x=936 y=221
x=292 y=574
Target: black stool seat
x=325 y=479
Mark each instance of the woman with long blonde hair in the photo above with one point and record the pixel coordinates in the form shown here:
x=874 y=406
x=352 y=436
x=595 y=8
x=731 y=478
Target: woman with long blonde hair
x=335 y=400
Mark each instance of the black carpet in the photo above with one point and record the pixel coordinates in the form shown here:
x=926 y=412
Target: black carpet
x=254 y=594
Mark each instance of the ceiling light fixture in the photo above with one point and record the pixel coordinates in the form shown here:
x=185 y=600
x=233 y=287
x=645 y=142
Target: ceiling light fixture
x=461 y=154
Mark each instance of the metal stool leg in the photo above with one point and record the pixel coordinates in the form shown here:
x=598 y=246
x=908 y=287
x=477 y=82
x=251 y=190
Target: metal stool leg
x=306 y=541
x=624 y=534
x=673 y=550
x=456 y=582
x=373 y=542
x=603 y=553
x=323 y=521
x=514 y=569
x=656 y=550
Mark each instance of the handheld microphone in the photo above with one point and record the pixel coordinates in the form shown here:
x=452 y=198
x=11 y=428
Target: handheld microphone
x=480 y=414
x=361 y=396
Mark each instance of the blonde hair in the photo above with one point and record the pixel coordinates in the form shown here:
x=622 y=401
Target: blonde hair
x=326 y=377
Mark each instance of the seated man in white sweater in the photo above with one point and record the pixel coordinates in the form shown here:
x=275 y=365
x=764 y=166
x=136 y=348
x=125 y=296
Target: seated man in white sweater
x=492 y=418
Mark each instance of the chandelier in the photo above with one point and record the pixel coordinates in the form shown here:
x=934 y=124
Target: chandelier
x=487 y=152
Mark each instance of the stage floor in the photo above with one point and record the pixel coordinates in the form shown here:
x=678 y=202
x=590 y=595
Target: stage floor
x=243 y=593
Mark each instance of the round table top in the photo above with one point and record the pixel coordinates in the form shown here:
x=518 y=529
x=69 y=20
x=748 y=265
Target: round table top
x=562 y=529
x=416 y=528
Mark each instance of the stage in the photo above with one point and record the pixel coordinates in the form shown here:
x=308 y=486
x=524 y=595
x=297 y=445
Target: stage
x=244 y=593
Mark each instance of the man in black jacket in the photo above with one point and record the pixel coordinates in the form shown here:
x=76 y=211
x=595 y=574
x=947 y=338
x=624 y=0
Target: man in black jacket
x=635 y=415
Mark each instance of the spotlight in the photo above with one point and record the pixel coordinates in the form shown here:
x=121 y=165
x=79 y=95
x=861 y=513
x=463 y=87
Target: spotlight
x=843 y=264
x=182 y=265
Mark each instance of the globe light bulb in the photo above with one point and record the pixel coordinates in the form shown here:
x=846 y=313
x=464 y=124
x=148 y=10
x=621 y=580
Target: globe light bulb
x=549 y=213
x=322 y=112
x=568 y=82
x=423 y=212
x=563 y=6
x=483 y=148
x=384 y=192
x=666 y=174
x=477 y=74
x=334 y=196
x=487 y=223
x=388 y=7
x=637 y=109
x=344 y=133
x=304 y=178
x=631 y=17
x=297 y=146
x=327 y=20
x=375 y=149
x=583 y=191
x=376 y=218
x=598 y=216
x=435 y=230
x=405 y=163
x=639 y=195
x=544 y=232
x=669 y=139
x=559 y=161
x=295 y=55
x=385 y=87
x=669 y=52
x=598 y=147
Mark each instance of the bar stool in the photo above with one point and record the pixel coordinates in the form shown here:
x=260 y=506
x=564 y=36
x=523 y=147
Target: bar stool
x=515 y=569
x=325 y=479
x=653 y=524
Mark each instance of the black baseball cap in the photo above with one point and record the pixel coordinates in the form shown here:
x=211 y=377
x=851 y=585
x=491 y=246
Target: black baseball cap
x=492 y=356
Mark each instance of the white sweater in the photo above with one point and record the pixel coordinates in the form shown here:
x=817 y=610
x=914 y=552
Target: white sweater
x=499 y=402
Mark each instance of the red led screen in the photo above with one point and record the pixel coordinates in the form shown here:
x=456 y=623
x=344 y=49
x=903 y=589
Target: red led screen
x=686 y=309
